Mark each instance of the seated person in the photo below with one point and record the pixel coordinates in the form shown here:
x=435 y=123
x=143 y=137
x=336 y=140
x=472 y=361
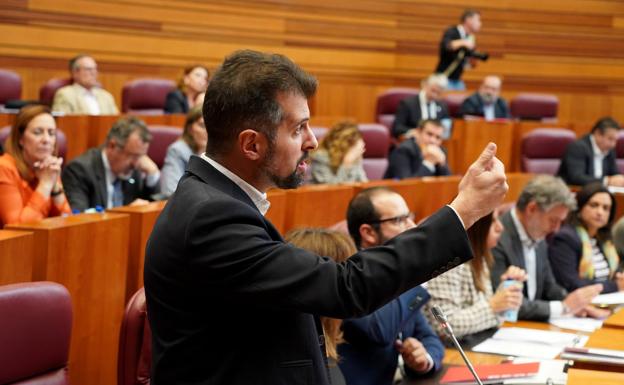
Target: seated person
x=465 y=292
x=30 y=186
x=339 y=247
x=193 y=141
x=542 y=206
x=592 y=157
x=116 y=174
x=84 y=96
x=428 y=104
x=420 y=154
x=338 y=158
x=582 y=250
x=487 y=101
x=187 y=95
x=374 y=342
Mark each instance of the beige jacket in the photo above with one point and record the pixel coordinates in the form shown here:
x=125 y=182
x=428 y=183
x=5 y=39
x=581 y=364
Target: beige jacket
x=69 y=100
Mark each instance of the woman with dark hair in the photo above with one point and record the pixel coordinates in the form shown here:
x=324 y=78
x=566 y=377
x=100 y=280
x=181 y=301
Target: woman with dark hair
x=193 y=141
x=186 y=96
x=30 y=186
x=465 y=292
x=339 y=247
x=582 y=252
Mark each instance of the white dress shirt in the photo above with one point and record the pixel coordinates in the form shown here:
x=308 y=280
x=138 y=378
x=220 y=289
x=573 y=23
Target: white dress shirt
x=598 y=158
x=428 y=109
x=90 y=100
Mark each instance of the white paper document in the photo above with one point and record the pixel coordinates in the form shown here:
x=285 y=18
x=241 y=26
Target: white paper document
x=616 y=298
x=523 y=342
x=585 y=324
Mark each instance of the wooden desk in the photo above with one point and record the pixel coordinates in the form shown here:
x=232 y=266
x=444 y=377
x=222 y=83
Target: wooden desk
x=585 y=377
x=619 y=210
x=16 y=256
x=317 y=205
x=616 y=320
x=88 y=254
x=142 y=220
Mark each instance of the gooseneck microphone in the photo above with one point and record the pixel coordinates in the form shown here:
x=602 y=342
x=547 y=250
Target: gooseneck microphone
x=443 y=321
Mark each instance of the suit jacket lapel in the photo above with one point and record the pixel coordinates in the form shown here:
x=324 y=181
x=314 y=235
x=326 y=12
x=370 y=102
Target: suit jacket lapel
x=99 y=173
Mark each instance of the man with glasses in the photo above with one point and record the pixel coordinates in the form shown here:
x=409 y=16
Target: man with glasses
x=373 y=343
x=84 y=96
x=118 y=173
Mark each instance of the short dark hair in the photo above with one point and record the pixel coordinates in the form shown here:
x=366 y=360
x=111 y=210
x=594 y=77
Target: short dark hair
x=243 y=94
x=424 y=122
x=604 y=124
x=124 y=127
x=73 y=62
x=468 y=13
x=361 y=210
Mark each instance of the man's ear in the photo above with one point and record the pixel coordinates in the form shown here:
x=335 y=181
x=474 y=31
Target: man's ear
x=253 y=144
x=369 y=235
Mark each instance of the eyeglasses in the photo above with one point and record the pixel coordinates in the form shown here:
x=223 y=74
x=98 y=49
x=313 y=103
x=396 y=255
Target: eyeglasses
x=397 y=221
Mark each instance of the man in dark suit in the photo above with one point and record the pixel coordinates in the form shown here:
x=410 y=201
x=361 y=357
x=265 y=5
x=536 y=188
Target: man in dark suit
x=119 y=173
x=487 y=101
x=228 y=301
x=543 y=205
x=428 y=104
x=458 y=41
x=421 y=154
x=374 y=342
x=592 y=157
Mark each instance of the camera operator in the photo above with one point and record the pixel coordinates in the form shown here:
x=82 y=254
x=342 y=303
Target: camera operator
x=457 y=49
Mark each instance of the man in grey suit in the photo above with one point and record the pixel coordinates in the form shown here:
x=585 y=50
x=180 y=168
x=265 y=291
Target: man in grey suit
x=118 y=173
x=543 y=205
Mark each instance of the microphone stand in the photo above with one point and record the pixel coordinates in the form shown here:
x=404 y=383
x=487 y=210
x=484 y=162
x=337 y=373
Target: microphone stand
x=441 y=318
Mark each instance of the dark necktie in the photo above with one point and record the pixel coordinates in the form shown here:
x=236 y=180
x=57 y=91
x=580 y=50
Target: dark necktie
x=117 y=193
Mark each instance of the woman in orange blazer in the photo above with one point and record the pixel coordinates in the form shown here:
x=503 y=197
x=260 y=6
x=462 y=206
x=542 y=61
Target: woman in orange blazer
x=30 y=186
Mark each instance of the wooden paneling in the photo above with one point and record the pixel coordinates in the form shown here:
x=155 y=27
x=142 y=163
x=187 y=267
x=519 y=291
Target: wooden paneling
x=88 y=254
x=574 y=49
x=16 y=256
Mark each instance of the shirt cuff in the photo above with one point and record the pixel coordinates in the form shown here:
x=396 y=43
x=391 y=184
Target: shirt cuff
x=431 y=363
x=430 y=166
x=556 y=308
x=458 y=217
x=152 y=179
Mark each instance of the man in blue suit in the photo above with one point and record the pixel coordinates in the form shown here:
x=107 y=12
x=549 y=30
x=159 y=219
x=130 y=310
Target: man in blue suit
x=374 y=342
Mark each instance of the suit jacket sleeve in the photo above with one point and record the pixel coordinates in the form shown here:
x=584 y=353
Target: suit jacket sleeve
x=76 y=186
x=574 y=165
x=504 y=109
x=430 y=340
x=610 y=164
x=172 y=171
x=62 y=102
x=470 y=106
x=400 y=165
x=403 y=120
x=173 y=104
x=564 y=251
x=267 y=272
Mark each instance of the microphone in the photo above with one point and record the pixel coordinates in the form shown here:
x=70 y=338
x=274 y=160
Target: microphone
x=439 y=315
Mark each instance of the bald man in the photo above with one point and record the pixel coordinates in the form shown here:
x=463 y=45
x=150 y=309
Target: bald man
x=487 y=101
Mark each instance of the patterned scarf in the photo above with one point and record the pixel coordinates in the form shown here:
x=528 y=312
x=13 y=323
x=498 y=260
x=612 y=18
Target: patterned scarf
x=586 y=267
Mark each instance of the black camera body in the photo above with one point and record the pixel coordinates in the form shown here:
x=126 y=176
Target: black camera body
x=483 y=56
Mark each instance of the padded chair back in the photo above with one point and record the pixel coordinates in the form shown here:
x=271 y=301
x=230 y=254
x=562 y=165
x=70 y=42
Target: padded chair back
x=543 y=148
x=61 y=140
x=134 y=360
x=163 y=136
x=534 y=106
x=10 y=86
x=145 y=96
x=47 y=91
x=377 y=139
x=35 y=331
x=454 y=102
x=619 y=151
x=388 y=102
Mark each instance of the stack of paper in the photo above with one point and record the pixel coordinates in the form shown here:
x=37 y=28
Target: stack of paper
x=550 y=372
x=490 y=374
x=523 y=342
x=603 y=356
x=610 y=299
x=585 y=324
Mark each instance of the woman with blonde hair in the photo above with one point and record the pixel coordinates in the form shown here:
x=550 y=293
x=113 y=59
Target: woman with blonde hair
x=339 y=156
x=339 y=247
x=193 y=83
x=30 y=186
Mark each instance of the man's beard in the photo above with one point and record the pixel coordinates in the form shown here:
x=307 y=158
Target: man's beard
x=291 y=181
